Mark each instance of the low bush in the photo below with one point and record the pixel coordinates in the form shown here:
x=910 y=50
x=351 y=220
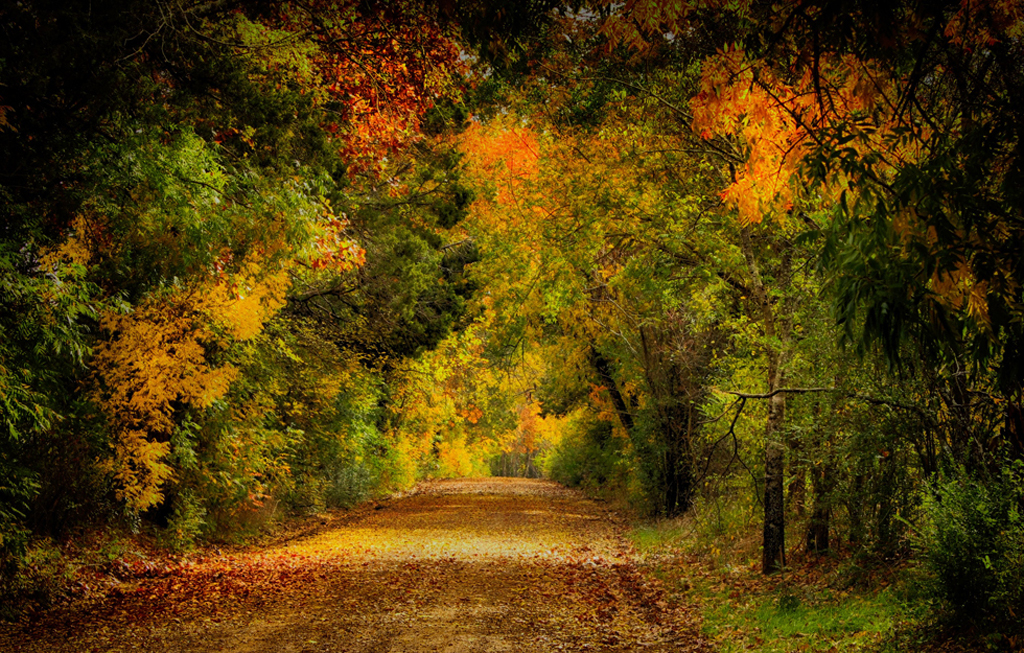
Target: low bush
x=973 y=545
x=589 y=457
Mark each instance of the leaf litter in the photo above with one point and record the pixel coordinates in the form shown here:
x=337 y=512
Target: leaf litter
x=486 y=565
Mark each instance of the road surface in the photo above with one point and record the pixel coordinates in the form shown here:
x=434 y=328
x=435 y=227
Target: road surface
x=490 y=565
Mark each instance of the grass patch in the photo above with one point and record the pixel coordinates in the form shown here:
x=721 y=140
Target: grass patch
x=832 y=603
x=784 y=618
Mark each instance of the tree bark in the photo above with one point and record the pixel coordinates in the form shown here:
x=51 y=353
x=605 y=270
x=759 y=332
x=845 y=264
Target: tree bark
x=821 y=514
x=604 y=370
x=678 y=495
x=674 y=361
x=777 y=330
x=774 y=551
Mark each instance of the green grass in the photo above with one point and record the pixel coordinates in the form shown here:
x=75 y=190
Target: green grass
x=666 y=536
x=824 y=604
x=795 y=619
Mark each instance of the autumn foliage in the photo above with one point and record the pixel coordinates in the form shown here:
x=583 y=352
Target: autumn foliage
x=215 y=175
x=262 y=258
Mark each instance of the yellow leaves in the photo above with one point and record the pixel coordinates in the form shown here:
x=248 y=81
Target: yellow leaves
x=445 y=398
x=138 y=468
x=602 y=404
x=243 y=303
x=75 y=250
x=152 y=360
x=454 y=459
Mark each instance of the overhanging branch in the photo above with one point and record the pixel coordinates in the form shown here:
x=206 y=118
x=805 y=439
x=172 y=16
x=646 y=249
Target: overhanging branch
x=778 y=391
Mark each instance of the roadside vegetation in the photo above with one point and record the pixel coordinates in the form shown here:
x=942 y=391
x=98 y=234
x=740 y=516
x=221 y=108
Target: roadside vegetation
x=752 y=268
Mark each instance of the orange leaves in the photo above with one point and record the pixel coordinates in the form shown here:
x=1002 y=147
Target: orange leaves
x=334 y=250
x=506 y=154
x=636 y=23
x=778 y=121
x=379 y=73
x=768 y=119
x=980 y=24
x=471 y=413
x=5 y=124
x=959 y=289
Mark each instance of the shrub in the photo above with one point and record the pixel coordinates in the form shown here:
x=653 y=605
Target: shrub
x=41 y=579
x=973 y=544
x=350 y=485
x=586 y=457
x=187 y=521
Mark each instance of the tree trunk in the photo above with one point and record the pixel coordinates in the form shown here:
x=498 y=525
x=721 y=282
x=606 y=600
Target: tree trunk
x=674 y=362
x=671 y=484
x=774 y=552
x=679 y=462
x=604 y=370
x=776 y=322
x=818 y=528
x=886 y=526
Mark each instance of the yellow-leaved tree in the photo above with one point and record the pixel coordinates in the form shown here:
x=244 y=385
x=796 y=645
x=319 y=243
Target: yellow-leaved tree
x=152 y=362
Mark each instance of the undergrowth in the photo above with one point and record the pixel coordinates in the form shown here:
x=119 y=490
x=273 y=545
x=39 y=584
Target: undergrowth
x=837 y=602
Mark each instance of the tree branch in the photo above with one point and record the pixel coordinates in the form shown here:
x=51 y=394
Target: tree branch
x=777 y=391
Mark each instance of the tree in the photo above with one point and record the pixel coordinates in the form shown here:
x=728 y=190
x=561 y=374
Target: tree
x=170 y=174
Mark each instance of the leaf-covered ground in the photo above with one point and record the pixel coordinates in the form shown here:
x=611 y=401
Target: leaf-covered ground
x=471 y=565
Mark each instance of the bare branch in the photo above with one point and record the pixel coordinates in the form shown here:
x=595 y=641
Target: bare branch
x=778 y=391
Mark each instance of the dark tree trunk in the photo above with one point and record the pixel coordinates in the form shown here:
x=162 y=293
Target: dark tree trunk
x=679 y=462
x=819 y=526
x=818 y=530
x=675 y=361
x=855 y=507
x=604 y=370
x=774 y=552
x=671 y=484
x=886 y=529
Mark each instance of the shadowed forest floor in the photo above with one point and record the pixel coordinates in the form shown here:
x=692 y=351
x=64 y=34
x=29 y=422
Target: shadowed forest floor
x=468 y=565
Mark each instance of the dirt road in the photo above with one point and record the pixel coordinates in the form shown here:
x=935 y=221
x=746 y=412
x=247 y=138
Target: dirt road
x=484 y=566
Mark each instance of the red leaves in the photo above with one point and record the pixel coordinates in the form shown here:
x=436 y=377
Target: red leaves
x=380 y=70
x=333 y=250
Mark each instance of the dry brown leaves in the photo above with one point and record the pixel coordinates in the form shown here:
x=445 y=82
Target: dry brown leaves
x=469 y=565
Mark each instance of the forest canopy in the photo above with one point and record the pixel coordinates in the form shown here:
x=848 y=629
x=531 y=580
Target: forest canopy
x=271 y=257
